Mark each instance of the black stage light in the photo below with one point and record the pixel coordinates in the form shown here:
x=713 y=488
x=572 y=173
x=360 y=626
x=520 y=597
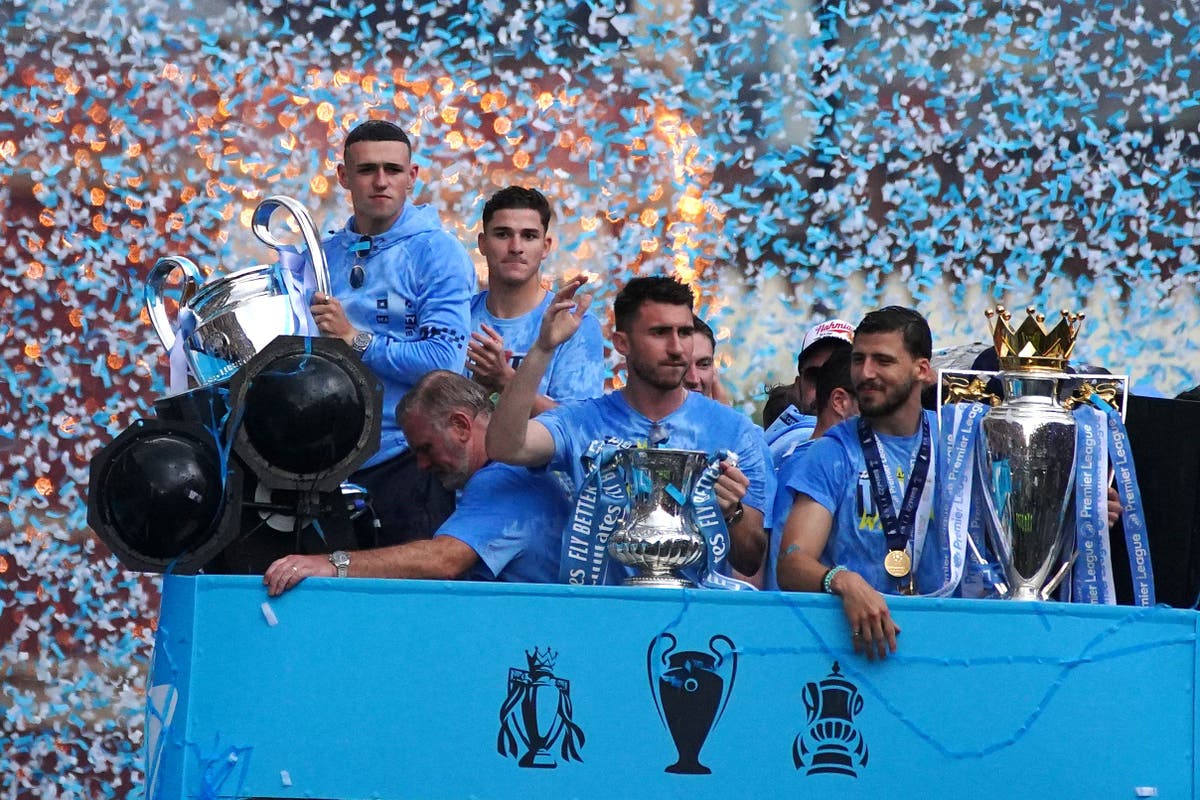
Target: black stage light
x=162 y=498
x=306 y=413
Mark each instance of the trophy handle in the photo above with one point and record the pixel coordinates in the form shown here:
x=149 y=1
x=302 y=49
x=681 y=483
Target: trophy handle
x=153 y=293
x=260 y=224
x=661 y=646
x=727 y=654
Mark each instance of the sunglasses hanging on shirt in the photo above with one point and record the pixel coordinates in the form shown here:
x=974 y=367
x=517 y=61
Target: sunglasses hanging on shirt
x=358 y=274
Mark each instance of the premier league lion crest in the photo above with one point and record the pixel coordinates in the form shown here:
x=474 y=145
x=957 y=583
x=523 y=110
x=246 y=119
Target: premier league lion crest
x=538 y=712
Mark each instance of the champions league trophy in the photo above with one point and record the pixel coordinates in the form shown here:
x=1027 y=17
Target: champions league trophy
x=223 y=323
x=1026 y=455
x=660 y=535
x=691 y=690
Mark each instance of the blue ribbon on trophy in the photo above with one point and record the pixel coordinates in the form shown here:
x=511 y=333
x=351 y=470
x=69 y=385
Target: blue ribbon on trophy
x=1132 y=516
x=599 y=511
x=712 y=527
x=299 y=276
x=1091 y=576
x=968 y=564
x=183 y=327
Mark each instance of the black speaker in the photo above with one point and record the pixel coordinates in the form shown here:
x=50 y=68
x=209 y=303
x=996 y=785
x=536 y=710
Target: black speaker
x=236 y=474
x=1164 y=436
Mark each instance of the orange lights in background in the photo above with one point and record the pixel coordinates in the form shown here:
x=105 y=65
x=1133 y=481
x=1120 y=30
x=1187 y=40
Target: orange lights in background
x=541 y=134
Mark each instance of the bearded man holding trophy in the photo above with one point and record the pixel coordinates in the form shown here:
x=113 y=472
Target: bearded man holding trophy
x=669 y=484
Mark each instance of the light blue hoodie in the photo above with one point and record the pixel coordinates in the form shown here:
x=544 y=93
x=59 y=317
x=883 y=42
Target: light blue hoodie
x=415 y=299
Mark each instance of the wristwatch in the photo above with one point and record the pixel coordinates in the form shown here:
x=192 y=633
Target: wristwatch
x=361 y=341
x=341 y=562
x=736 y=515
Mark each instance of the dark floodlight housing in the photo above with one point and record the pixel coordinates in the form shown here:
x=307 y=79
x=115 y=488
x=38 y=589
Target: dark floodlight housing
x=307 y=413
x=162 y=498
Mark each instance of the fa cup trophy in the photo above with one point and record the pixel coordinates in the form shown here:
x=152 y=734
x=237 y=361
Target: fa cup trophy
x=1026 y=454
x=660 y=535
x=223 y=323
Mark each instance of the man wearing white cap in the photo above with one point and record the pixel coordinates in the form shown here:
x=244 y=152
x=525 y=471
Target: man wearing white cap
x=795 y=425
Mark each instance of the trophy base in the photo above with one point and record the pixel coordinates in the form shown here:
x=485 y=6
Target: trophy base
x=1024 y=594
x=538 y=760
x=658 y=582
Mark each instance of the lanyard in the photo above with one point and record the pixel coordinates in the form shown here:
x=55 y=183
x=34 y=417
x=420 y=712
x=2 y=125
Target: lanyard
x=897 y=530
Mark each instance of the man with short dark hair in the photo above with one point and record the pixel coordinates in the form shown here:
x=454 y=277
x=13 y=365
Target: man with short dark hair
x=794 y=425
x=401 y=288
x=505 y=317
x=654 y=332
x=701 y=375
x=509 y=520
x=863 y=503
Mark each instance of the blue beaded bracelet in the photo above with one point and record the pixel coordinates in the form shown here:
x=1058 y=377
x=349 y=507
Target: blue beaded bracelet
x=827 y=581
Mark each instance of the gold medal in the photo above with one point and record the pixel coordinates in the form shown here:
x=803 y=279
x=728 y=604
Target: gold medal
x=897 y=563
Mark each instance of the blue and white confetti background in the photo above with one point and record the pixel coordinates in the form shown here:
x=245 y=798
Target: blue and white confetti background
x=793 y=161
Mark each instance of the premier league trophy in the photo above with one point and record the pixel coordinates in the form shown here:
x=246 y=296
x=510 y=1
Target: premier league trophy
x=538 y=712
x=1026 y=454
x=660 y=535
x=223 y=323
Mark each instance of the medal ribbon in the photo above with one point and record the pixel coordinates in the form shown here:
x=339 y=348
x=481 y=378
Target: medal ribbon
x=1133 y=517
x=897 y=530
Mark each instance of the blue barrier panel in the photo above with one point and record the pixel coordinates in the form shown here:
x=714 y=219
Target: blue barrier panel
x=410 y=689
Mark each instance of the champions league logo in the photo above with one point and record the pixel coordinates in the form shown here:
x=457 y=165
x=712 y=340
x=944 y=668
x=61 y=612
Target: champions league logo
x=538 y=712
x=691 y=690
x=832 y=744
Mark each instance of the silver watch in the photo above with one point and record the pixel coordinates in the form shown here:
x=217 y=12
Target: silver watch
x=341 y=562
x=361 y=341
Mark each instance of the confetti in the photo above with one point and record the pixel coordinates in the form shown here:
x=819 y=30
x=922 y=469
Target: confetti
x=807 y=162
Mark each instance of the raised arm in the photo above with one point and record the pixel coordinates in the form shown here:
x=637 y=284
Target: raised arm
x=512 y=437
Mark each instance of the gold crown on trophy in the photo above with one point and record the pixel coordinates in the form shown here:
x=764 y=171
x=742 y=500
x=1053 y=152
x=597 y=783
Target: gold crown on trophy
x=1031 y=347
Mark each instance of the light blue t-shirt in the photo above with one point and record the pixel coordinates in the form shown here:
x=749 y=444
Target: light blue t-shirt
x=698 y=424
x=576 y=370
x=513 y=519
x=785 y=495
x=788 y=432
x=834 y=473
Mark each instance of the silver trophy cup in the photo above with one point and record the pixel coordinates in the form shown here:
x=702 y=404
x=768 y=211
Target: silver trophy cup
x=1026 y=459
x=660 y=535
x=235 y=316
